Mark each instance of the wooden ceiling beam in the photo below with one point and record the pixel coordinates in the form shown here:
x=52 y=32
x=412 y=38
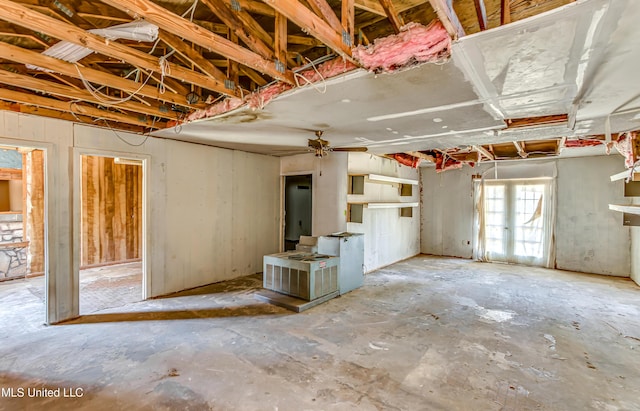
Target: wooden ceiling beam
x=48 y=87
x=74 y=108
x=520 y=150
x=192 y=55
x=448 y=17
x=324 y=10
x=281 y=39
x=486 y=153
x=348 y=22
x=175 y=24
x=374 y=6
x=19 y=55
x=245 y=32
x=257 y=7
x=421 y=155
x=537 y=121
x=34 y=20
x=505 y=12
x=394 y=17
x=312 y=24
x=481 y=12
x=253 y=75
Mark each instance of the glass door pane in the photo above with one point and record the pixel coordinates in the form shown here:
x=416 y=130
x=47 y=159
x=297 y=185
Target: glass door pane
x=495 y=220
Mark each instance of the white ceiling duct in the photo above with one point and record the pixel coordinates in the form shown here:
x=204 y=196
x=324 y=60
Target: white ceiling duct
x=67 y=51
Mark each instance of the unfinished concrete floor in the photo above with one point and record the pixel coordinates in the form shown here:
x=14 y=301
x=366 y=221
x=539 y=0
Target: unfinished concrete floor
x=424 y=334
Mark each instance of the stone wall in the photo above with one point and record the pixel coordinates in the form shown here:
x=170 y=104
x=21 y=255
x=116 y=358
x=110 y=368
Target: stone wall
x=13 y=259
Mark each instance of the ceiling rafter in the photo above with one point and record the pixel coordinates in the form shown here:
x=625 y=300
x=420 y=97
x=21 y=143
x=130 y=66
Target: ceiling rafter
x=192 y=55
x=312 y=24
x=19 y=55
x=64 y=31
x=394 y=17
x=324 y=10
x=175 y=24
x=75 y=108
x=52 y=88
x=244 y=30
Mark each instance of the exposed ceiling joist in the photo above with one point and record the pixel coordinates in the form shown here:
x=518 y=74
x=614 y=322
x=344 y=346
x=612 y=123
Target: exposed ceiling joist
x=192 y=55
x=324 y=10
x=348 y=22
x=481 y=12
x=246 y=31
x=394 y=17
x=175 y=24
x=311 y=24
x=75 y=108
x=49 y=87
x=19 y=55
x=373 y=6
x=448 y=17
x=58 y=29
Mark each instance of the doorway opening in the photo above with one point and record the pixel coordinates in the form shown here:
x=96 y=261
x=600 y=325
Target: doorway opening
x=516 y=221
x=297 y=209
x=22 y=237
x=111 y=232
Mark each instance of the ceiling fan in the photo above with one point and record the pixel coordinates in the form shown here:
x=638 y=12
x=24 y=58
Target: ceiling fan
x=322 y=147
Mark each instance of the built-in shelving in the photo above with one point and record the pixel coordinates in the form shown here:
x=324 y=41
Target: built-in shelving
x=356 y=189
x=625 y=174
x=629 y=209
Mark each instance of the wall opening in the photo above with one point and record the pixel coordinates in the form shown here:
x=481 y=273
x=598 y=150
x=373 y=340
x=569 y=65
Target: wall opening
x=111 y=232
x=297 y=209
x=22 y=235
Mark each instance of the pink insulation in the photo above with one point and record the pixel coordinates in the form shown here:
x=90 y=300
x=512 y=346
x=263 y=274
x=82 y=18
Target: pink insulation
x=624 y=145
x=220 y=107
x=414 y=44
x=582 y=143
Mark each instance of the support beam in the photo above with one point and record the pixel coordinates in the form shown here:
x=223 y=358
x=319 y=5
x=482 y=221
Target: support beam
x=175 y=24
x=75 y=108
x=312 y=24
x=394 y=17
x=481 y=12
x=448 y=17
x=244 y=32
x=50 y=26
x=521 y=151
x=20 y=55
x=48 y=87
x=324 y=10
x=373 y=6
x=348 y=22
x=505 y=12
x=486 y=153
x=281 y=39
x=192 y=56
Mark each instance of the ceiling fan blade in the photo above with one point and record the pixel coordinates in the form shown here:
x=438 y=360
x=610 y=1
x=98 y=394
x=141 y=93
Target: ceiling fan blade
x=362 y=149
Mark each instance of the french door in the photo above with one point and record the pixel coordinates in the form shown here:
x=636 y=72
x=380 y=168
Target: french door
x=516 y=221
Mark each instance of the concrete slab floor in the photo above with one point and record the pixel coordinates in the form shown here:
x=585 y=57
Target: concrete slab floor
x=425 y=334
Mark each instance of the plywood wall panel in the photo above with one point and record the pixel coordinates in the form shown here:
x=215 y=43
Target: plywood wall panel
x=111 y=211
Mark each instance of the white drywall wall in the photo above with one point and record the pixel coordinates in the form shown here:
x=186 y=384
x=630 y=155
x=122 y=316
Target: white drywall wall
x=589 y=237
x=635 y=254
x=212 y=213
x=388 y=237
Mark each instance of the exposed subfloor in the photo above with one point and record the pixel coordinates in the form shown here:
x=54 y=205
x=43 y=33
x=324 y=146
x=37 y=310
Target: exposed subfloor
x=425 y=334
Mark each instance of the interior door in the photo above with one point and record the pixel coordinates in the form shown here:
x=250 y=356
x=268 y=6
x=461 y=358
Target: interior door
x=515 y=224
x=297 y=209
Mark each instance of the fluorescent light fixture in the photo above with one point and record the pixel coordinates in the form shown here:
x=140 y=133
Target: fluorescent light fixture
x=137 y=30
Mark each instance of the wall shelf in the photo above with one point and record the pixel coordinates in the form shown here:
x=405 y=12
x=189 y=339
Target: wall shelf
x=395 y=204
x=624 y=174
x=388 y=179
x=629 y=209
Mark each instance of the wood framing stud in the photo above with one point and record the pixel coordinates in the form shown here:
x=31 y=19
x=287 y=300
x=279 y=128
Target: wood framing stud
x=348 y=22
x=311 y=24
x=486 y=153
x=536 y=121
x=505 y=12
x=481 y=12
x=448 y=17
x=324 y=10
x=520 y=150
x=394 y=17
x=188 y=30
